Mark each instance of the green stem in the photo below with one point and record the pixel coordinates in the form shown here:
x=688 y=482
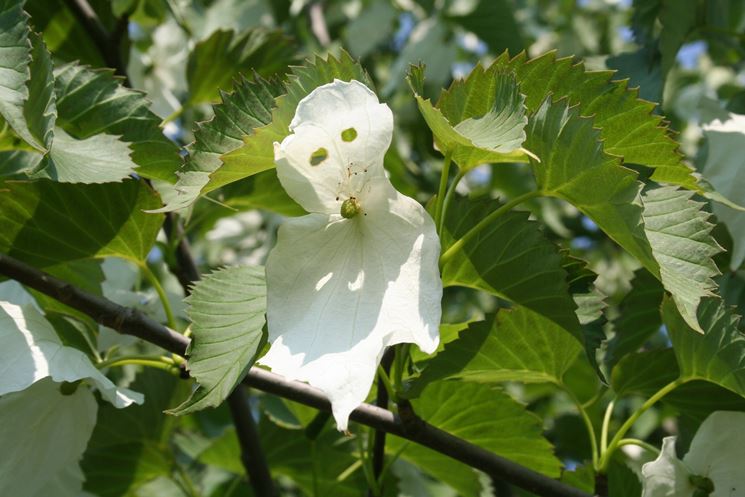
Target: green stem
x=448 y=199
x=402 y=353
x=588 y=425
x=153 y=280
x=159 y=362
x=174 y=115
x=606 y=426
x=367 y=467
x=483 y=224
x=641 y=443
x=613 y=445
x=444 y=176
x=386 y=382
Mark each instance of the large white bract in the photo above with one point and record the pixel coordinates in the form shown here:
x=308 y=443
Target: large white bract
x=713 y=465
x=341 y=288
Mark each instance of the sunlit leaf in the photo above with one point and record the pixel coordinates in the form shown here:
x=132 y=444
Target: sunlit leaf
x=679 y=233
x=227 y=310
x=248 y=107
x=477 y=120
x=93 y=101
x=257 y=152
x=511 y=258
x=515 y=345
x=483 y=416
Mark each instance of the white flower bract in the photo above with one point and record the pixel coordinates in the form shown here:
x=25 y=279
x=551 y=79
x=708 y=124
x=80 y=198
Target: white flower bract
x=717 y=453
x=342 y=288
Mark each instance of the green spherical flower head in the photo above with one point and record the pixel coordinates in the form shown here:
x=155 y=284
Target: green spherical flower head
x=350 y=208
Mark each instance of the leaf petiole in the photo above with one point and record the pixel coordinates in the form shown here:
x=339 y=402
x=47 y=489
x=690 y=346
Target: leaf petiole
x=483 y=224
x=162 y=295
x=615 y=442
x=448 y=199
x=158 y=362
x=441 y=192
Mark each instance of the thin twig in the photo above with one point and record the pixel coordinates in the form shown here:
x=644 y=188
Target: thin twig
x=133 y=322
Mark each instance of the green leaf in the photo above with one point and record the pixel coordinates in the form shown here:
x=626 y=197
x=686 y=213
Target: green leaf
x=257 y=152
x=26 y=99
x=679 y=233
x=485 y=417
x=627 y=126
x=574 y=167
x=45 y=223
x=91 y=102
x=130 y=447
x=698 y=399
x=511 y=258
x=477 y=120
x=669 y=235
x=639 y=316
x=227 y=311
x=97 y=159
x=214 y=62
x=248 y=107
x=717 y=356
x=291 y=454
x=622 y=480
x=643 y=373
x=678 y=18
x=63 y=35
x=492 y=21
x=43 y=425
x=514 y=345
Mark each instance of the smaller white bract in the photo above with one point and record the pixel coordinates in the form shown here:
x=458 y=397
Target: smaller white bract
x=713 y=466
x=360 y=272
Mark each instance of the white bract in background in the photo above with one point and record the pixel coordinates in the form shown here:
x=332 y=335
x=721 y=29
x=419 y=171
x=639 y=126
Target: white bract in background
x=712 y=467
x=360 y=272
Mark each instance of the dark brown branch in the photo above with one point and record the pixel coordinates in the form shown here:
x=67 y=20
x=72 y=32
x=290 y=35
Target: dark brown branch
x=423 y=434
x=107 y=45
x=122 y=319
x=185 y=268
x=378 y=455
x=252 y=455
x=132 y=322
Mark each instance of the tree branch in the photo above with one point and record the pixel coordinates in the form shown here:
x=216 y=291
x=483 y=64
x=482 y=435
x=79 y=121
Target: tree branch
x=252 y=455
x=378 y=455
x=133 y=322
x=108 y=46
x=185 y=268
x=122 y=319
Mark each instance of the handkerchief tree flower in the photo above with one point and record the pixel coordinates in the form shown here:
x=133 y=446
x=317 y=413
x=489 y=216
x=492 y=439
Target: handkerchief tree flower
x=712 y=467
x=359 y=273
